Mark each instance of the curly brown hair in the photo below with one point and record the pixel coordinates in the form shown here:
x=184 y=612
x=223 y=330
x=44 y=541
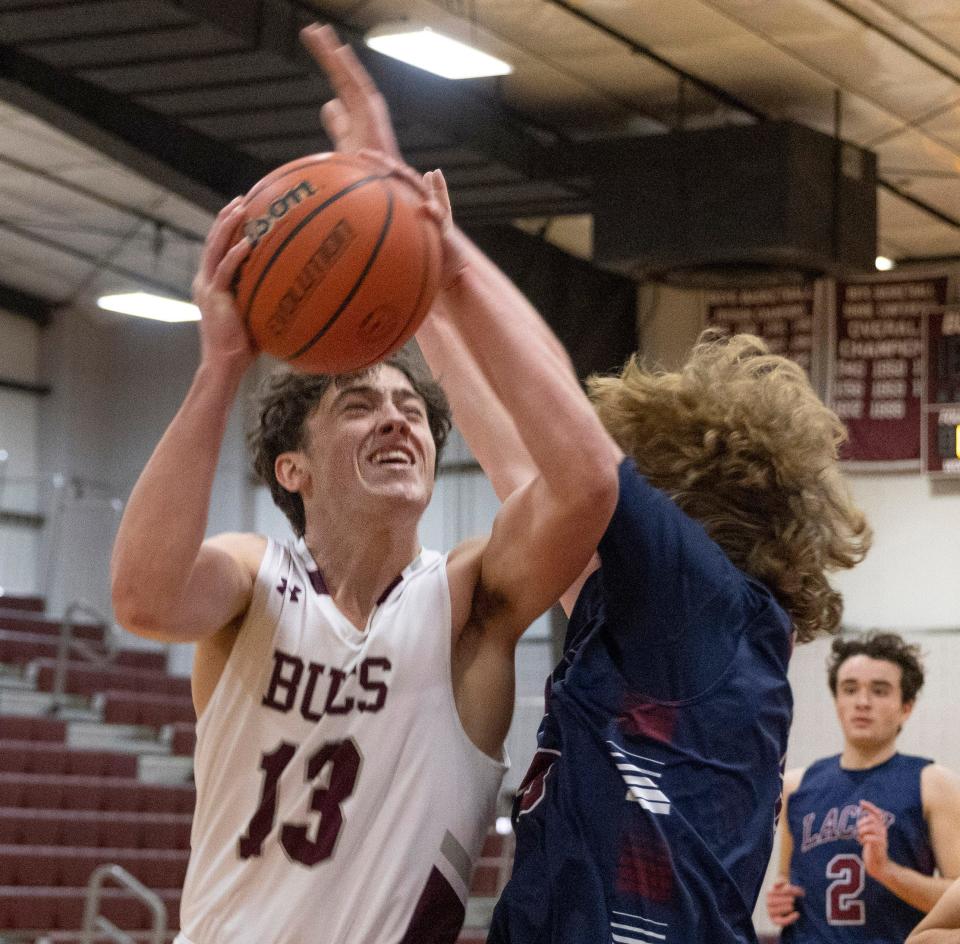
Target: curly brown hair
x=890 y=647
x=741 y=442
x=286 y=400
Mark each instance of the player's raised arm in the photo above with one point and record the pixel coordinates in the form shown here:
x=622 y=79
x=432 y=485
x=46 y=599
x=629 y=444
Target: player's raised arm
x=466 y=351
x=547 y=531
x=942 y=924
x=166 y=583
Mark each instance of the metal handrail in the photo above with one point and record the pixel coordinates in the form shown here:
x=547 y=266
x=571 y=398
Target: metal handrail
x=66 y=642
x=93 y=921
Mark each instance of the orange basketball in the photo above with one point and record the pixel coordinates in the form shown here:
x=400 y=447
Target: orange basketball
x=344 y=264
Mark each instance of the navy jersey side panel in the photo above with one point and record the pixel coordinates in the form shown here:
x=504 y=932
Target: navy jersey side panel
x=648 y=812
x=842 y=903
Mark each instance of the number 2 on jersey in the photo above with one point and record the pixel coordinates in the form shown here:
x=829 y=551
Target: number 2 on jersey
x=843 y=905
x=339 y=763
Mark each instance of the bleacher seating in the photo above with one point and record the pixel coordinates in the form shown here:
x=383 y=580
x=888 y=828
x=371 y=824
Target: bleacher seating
x=71 y=866
x=28 y=728
x=27 y=757
x=183 y=738
x=84 y=679
x=144 y=708
x=47 y=909
x=22 y=604
x=110 y=829
x=19 y=648
x=26 y=621
x=64 y=810
x=58 y=791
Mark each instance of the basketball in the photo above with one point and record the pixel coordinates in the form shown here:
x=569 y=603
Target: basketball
x=343 y=267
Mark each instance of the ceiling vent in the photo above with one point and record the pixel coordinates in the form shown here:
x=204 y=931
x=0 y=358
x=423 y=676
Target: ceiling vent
x=759 y=204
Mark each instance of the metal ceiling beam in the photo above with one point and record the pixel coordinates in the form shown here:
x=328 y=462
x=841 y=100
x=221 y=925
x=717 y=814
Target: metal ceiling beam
x=200 y=169
x=875 y=27
x=921 y=204
x=99 y=198
x=721 y=95
x=207 y=170
x=98 y=263
x=19 y=302
x=714 y=91
x=457 y=109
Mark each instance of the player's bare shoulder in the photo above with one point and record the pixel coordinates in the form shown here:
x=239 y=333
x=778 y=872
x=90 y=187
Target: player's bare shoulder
x=244 y=547
x=939 y=788
x=243 y=554
x=791 y=780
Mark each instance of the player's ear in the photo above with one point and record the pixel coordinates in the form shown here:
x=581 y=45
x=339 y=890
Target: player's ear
x=290 y=470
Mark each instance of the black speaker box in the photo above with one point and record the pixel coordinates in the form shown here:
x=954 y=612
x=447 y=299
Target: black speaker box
x=741 y=203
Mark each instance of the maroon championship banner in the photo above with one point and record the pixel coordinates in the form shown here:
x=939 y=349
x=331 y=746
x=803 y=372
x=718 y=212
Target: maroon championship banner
x=877 y=385
x=781 y=315
x=942 y=452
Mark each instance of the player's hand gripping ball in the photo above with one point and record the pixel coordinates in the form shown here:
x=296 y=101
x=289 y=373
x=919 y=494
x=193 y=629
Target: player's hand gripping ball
x=343 y=266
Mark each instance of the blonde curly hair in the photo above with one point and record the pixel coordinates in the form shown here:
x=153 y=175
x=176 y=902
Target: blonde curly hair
x=741 y=443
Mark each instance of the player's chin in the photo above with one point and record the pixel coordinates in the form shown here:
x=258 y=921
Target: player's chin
x=399 y=489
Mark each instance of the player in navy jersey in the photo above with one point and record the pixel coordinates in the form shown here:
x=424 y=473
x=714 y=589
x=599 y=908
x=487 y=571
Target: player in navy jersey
x=865 y=830
x=648 y=813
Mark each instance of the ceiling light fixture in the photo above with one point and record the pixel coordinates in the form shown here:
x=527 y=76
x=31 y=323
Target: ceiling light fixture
x=426 y=49
x=884 y=264
x=145 y=305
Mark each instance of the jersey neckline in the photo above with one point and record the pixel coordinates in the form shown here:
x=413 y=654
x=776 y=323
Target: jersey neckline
x=319 y=584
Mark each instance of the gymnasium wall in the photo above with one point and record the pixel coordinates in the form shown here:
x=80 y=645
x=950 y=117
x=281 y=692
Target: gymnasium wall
x=19 y=413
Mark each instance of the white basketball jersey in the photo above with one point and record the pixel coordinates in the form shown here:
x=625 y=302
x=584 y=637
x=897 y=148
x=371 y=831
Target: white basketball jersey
x=338 y=797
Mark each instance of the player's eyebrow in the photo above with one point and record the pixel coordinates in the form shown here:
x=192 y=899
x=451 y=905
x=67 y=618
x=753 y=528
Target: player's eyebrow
x=403 y=394
x=362 y=389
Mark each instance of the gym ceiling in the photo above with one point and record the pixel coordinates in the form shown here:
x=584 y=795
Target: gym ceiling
x=126 y=124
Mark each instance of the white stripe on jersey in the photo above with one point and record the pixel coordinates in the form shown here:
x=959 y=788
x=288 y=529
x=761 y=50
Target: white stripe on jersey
x=647 y=935
x=640 y=788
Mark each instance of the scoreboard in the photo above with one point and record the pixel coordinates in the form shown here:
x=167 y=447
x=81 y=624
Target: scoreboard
x=942 y=406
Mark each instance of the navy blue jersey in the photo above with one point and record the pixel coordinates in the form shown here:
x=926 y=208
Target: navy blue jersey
x=648 y=813
x=842 y=904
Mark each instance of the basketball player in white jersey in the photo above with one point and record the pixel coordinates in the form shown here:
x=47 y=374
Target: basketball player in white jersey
x=353 y=690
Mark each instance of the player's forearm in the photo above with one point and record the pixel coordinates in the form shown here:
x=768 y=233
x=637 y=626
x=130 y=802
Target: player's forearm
x=916 y=889
x=477 y=411
x=506 y=338
x=945 y=915
x=934 y=936
x=165 y=518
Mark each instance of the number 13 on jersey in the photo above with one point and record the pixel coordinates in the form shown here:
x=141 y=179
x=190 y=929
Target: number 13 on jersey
x=334 y=768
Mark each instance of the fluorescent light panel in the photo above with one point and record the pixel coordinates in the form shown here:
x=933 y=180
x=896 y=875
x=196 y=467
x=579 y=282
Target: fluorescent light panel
x=145 y=305
x=426 y=49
